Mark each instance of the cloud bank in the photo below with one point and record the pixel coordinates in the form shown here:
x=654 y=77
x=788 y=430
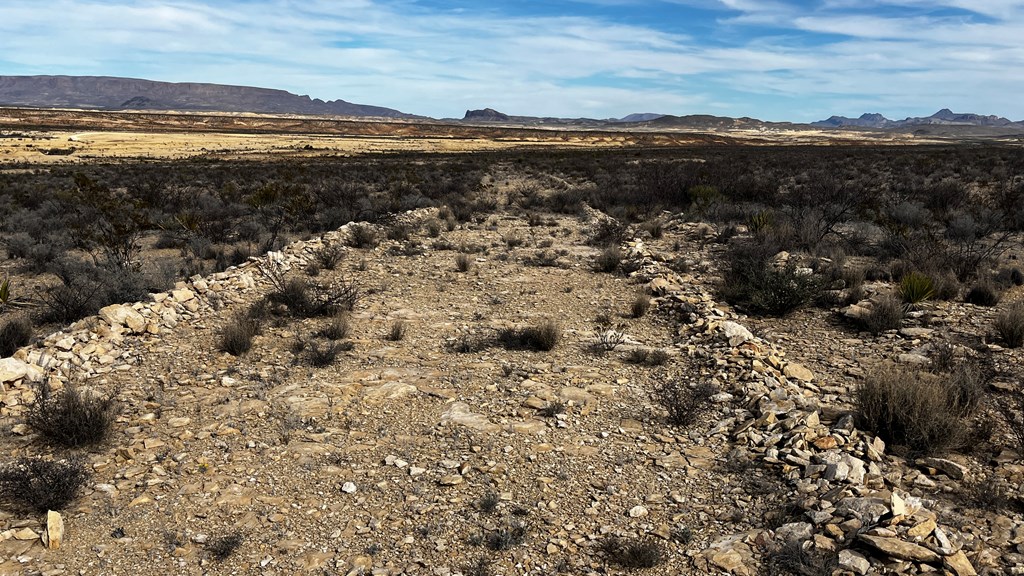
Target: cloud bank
x=778 y=60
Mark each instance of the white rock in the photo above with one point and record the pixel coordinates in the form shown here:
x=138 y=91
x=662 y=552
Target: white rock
x=12 y=369
x=348 y=488
x=735 y=333
x=637 y=512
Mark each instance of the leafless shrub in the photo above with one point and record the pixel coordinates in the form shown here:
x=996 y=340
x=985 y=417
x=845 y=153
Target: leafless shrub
x=463 y=262
x=637 y=553
x=36 y=485
x=887 y=314
x=236 y=337
x=609 y=259
x=71 y=419
x=329 y=255
x=685 y=404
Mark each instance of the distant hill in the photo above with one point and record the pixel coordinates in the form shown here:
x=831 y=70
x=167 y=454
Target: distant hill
x=944 y=117
x=109 y=93
x=640 y=117
x=486 y=115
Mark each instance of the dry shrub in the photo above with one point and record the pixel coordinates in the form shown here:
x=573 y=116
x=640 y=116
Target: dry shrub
x=641 y=304
x=925 y=413
x=236 y=337
x=887 y=314
x=983 y=294
x=397 y=331
x=608 y=260
x=463 y=262
x=1010 y=325
x=14 y=334
x=71 y=419
x=36 y=485
x=685 y=404
x=543 y=337
x=640 y=553
x=362 y=236
x=337 y=329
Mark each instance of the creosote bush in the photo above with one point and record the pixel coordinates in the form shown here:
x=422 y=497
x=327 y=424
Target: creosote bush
x=1009 y=324
x=14 y=334
x=752 y=280
x=36 y=485
x=924 y=413
x=362 y=235
x=542 y=337
x=608 y=260
x=236 y=337
x=887 y=314
x=70 y=418
x=634 y=553
x=684 y=404
x=328 y=256
x=641 y=304
x=983 y=294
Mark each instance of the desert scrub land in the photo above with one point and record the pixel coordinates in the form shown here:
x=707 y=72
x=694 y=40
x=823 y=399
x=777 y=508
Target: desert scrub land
x=700 y=360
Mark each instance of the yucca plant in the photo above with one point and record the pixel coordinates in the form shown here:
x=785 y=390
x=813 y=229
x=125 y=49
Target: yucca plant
x=8 y=300
x=760 y=222
x=916 y=288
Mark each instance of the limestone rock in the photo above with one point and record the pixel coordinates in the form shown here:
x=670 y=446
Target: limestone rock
x=897 y=548
x=54 y=535
x=735 y=334
x=123 y=315
x=460 y=413
x=12 y=369
x=798 y=371
x=854 y=562
x=959 y=564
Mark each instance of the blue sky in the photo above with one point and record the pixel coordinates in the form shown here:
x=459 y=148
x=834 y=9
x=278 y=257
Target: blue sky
x=774 y=59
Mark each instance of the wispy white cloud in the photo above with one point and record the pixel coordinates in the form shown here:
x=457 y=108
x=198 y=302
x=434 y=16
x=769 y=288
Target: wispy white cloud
x=780 y=59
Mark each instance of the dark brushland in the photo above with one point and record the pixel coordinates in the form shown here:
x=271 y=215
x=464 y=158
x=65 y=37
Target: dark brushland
x=113 y=94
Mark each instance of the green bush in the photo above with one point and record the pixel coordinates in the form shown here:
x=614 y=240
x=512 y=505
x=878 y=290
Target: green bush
x=916 y=288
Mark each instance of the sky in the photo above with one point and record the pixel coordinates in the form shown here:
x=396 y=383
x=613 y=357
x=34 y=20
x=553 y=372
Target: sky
x=774 y=60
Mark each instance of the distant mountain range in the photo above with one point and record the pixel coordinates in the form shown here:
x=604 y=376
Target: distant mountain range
x=944 y=117
x=109 y=93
